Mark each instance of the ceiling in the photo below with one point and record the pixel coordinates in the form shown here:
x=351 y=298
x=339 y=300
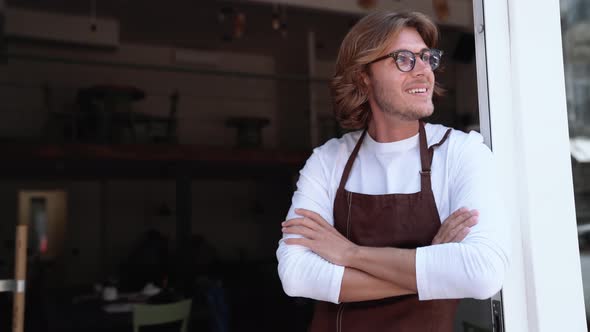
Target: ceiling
x=194 y=24
x=460 y=11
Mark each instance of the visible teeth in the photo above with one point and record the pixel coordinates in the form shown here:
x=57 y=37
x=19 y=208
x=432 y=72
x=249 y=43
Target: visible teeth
x=421 y=90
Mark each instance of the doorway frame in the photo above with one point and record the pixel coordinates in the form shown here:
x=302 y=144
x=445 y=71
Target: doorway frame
x=528 y=122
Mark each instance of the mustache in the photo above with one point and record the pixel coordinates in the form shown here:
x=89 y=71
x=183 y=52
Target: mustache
x=424 y=82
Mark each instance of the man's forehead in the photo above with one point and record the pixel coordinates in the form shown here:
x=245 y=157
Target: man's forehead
x=407 y=39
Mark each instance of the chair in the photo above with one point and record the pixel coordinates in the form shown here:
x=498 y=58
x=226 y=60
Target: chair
x=153 y=314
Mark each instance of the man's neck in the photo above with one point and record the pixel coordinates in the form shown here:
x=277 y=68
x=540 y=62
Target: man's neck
x=392 y=130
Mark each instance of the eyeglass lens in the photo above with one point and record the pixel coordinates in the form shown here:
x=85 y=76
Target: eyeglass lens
x=406 y=60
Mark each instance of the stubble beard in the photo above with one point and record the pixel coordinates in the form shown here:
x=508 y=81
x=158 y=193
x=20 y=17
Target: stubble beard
x=405 y=112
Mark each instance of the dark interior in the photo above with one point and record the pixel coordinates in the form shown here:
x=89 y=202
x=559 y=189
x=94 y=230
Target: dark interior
x=171 y=157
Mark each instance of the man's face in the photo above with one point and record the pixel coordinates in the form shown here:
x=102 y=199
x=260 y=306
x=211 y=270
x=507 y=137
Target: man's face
x=403 y=95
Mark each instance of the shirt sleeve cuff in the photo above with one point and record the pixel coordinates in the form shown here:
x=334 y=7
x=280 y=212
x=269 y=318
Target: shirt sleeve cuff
x=421 y=275
x=336 y=283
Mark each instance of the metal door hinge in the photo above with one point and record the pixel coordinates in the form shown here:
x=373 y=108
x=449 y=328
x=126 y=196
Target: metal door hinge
x=14 y=286
x=497 y=316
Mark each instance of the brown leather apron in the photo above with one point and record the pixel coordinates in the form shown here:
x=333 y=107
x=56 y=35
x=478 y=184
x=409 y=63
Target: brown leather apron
x=390 y=220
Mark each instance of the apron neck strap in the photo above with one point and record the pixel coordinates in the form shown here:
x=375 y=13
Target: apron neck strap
x=426 y=152
x=425 y=155
x=351 y=159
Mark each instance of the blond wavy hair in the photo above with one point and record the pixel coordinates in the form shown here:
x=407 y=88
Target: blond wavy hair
x=365 y=42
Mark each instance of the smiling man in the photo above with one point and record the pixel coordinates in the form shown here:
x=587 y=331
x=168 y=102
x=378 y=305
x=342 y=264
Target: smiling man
x=396 y=220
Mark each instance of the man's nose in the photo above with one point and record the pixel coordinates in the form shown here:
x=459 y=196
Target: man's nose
x=421 y=66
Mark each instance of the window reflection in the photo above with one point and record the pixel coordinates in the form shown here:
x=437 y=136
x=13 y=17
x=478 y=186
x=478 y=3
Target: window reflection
x=39 y=225
x=575 y=23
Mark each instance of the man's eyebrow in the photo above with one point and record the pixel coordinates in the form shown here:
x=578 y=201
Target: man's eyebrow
x=405 y=49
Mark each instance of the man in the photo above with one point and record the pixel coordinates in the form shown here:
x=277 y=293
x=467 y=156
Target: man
x=392 y=223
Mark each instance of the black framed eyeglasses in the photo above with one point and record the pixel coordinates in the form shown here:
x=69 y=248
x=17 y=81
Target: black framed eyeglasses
x=406 y=60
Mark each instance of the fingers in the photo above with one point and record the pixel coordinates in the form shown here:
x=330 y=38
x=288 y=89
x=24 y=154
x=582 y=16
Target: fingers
x=298 y=241
x=300 y=230
x=457 y=218
x=305 y=227
x=443 y=235
x=319 y=221
x=304 y=222
x=457 y=226
x=458 y=212
x=459 y=233
x=312 y=226
x=313 y=216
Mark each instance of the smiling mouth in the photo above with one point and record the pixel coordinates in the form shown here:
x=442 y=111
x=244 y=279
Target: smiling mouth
x=418 y=91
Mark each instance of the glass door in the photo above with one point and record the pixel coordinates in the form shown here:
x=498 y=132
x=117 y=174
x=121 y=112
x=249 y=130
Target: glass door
x=575 y=25
x=481 y=315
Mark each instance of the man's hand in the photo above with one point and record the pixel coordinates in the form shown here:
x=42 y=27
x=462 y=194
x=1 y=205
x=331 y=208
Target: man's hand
x=456 y=227
x=323 y=239
x=319 y=236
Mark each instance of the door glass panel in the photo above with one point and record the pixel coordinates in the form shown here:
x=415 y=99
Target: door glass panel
x=206 y=73
x=575 y=29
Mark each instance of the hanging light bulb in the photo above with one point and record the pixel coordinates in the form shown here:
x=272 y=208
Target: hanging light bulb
x=284 y=29
x=239 y=25
x=441 y=8
x=283 y=21
x=93 y=26
x=275 y=18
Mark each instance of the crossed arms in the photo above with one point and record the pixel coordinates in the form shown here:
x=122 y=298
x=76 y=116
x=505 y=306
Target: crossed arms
x=370 y=273
x=467 y=258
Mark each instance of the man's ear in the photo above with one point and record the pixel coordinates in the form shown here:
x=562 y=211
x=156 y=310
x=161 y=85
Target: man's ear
x=365 y=85
x=365 y=78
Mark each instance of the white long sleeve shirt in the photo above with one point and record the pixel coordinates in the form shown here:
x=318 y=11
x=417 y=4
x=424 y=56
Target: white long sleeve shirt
x=463 y=175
